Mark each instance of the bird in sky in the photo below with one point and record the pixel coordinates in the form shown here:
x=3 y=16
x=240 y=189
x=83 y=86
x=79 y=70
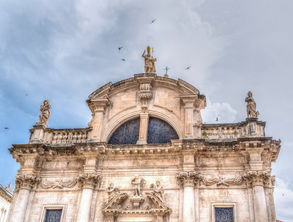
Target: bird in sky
x=6 y=128
x=119 y=48
x=123 y=60
x=217 y=119
x=153 y=21
x=188 y=67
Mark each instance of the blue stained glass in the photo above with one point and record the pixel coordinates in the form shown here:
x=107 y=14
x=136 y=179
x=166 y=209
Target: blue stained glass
x=53 y=215
x=224 y=214
x=160 y=132
x=127 y=133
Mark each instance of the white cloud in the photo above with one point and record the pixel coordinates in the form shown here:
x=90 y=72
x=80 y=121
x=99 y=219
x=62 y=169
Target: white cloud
x=223 y=112
x=283 y=200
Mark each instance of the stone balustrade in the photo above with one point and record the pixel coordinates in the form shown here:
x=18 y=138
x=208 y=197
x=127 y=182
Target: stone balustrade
x=233 y=131
x=66 y=136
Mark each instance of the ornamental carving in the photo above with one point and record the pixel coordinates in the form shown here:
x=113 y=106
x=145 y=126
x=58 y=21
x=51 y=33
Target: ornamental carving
x=257 y=178
x=137 y=202
x=26 y=182
x=58 y=183
x=89 y=180
x=188 y=178
x=222 y=180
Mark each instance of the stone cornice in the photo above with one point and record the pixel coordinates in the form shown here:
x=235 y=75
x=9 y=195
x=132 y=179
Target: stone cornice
x=194 y=145
x=5 y=194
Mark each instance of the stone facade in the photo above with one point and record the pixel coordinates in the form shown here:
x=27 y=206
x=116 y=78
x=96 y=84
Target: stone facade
x=205 y=173
x=5 y=201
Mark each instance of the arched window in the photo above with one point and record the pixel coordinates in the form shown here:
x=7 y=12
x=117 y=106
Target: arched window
x=127 y=133
x=159 y=131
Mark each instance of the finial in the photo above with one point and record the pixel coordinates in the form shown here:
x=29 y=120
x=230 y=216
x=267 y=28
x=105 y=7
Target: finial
x=45 y=114
x=251 y=106
x=149 y=60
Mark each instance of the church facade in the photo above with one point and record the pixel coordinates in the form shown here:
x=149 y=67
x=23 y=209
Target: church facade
x=146 y=156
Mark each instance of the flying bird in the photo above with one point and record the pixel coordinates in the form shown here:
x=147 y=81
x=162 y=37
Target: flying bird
x=217 y=119
x=6 y=128
x=123 y=60
x=188 y=67
x=119 y=48
x=153 y=21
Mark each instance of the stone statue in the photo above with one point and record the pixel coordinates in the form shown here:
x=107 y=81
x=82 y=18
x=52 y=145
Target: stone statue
x=158 y=190
x=149 y=60
x=137 y=182
x=45 y=113
x=251 y=106
x=112 y=191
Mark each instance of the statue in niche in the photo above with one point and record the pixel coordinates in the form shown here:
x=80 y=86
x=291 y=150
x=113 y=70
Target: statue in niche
x=45 y=113
x=149 y=60
x=138 y=183
x=251 y=106
x=158 y=190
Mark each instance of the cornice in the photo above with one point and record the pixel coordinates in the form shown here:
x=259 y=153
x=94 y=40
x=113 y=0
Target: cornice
x=5 y=194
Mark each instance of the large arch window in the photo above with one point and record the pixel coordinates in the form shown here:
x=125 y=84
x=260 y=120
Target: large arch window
x=127 y=133
x=159 y=131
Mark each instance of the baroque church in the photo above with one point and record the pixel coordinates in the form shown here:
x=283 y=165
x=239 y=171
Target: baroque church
x=146 y=156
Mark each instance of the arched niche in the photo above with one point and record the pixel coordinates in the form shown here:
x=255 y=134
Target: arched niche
x=159 y=131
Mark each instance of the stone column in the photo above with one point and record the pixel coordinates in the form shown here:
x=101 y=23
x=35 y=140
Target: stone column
x=88 y=182
x=143 y=128
x=98 y=108
x=257 y=179
x=187 y=179
x=24 y=184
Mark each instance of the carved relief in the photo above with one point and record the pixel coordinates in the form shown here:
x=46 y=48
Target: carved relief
x=257 y=178
x=58 y=183
x=149 y=203
x=188 y=178
x=26 y=182
x=222 y=181
x=89 y=180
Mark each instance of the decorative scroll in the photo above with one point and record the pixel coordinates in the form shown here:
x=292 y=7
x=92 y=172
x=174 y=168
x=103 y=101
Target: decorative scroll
x=160 y=132
x=222 y=181
x=58 y=183
x=127 y=133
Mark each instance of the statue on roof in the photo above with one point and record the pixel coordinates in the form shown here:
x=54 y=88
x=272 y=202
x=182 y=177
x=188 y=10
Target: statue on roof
x=45 y=114
x=149 y=60
x=251 y=106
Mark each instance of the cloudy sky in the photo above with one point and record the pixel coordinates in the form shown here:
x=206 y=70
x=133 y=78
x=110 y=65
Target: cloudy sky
x=64 y=50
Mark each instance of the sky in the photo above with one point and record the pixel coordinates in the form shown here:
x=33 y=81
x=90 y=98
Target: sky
x=64 y=50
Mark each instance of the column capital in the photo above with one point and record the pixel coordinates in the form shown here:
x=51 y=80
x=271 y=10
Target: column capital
x=89 y=180
x=188 y=178
x=257 y=178
x=27 y=182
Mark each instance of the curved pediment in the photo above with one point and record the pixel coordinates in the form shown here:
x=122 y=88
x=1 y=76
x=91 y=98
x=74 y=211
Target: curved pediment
x=110 y=89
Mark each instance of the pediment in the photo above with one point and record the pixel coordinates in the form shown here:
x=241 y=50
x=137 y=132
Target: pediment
x=110 y=89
